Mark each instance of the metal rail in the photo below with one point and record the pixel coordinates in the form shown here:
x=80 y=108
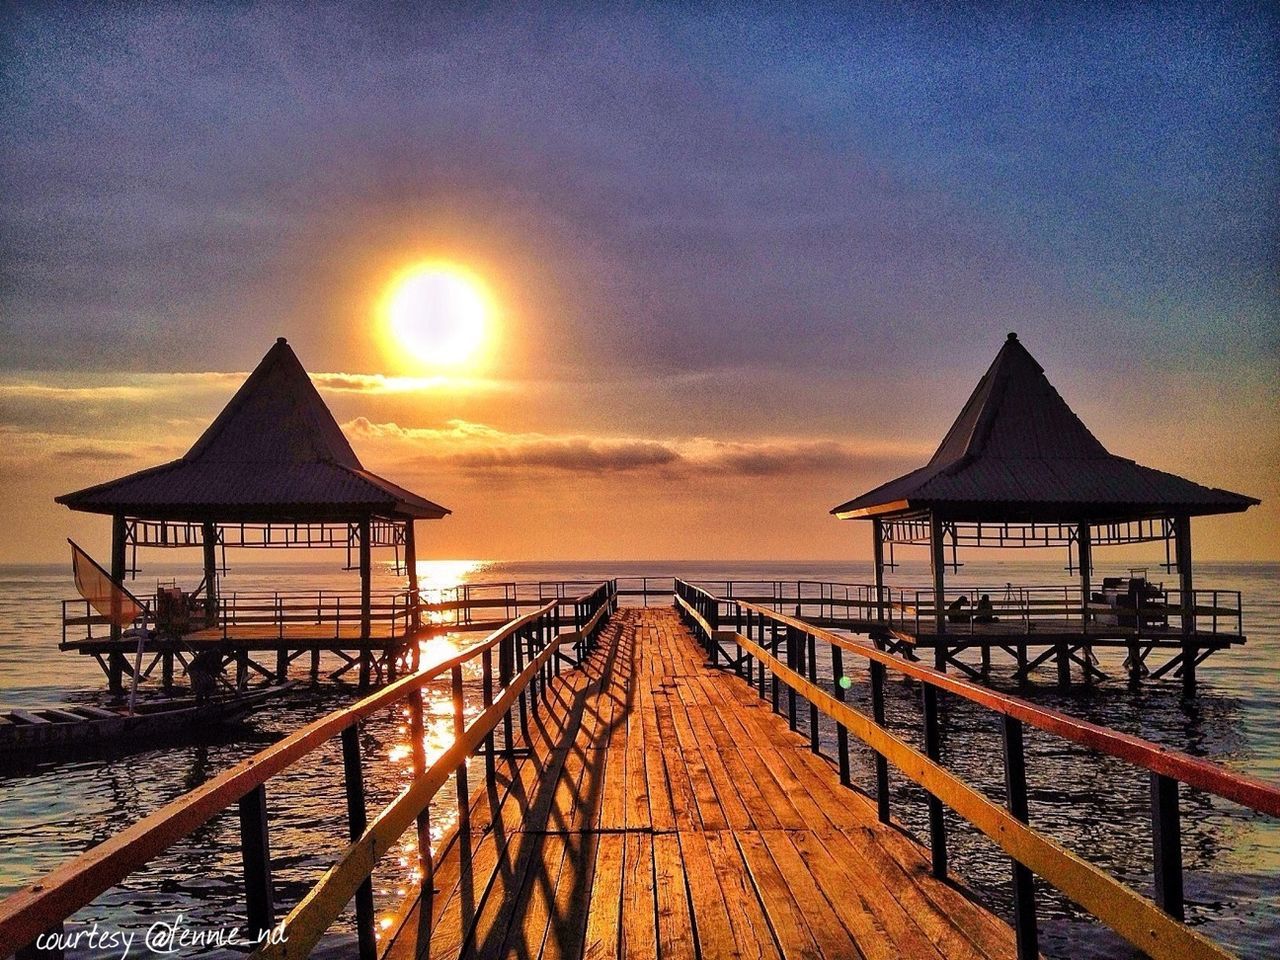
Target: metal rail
x=529 y=650
x=759 y=635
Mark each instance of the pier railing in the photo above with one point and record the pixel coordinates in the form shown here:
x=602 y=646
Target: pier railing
x=772 y=651
x=517 y=661
x=1027 y=607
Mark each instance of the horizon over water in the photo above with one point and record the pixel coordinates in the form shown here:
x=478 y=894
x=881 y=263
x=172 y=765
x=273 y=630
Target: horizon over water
x=1097 y=807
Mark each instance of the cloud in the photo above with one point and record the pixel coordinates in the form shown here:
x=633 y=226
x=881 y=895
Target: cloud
x=21 y=447
x=98 y=387
x=379 y=383
x=476 y=446
x=93 y=453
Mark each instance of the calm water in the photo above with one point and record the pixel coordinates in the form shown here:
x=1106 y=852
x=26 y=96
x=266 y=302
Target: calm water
x=1096 y=807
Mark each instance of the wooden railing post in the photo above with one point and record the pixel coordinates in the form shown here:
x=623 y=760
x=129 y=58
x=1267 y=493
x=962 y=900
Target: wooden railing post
x=506 y=669
x=518 y=642
x=792 y=664
x=1024 y=892
x=842 y=732
x=811 y=663
x=763 y=629
x=256 y=855
x=882 y=764
x=487 y=693
x=933 y=750
x=356 y=823
x=1166 y=835
x=775 y=691
x=459 y=727
x=418 y=751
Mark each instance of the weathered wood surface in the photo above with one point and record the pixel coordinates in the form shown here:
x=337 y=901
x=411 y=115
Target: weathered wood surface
x=665 y=811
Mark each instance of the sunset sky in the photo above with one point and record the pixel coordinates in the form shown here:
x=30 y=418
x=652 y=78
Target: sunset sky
x=741 y=266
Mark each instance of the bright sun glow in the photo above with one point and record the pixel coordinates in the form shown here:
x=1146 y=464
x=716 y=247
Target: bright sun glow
x=439 y=314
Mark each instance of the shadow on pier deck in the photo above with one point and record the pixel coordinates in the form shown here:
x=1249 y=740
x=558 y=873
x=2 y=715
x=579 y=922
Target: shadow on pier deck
x=664 y=809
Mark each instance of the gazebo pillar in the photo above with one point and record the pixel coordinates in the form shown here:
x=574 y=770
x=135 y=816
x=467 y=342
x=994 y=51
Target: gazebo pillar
x=1084 y=549
x=366 y=605
x=938 y=566
x=115 y=659
x=411 y=568
x=1182 y=552
x=209 y=541
x=877 y=557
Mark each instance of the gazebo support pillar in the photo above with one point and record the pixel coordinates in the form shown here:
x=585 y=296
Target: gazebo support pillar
x=411 y=568
x=938 y=567
x=1182 y=550
x=115 y=659
x=209 y=541
x=1084 y=545
x=366 y=605
x=877 y=558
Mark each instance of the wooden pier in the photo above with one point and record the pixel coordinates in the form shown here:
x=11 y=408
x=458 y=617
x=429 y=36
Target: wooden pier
x=654 y=782
x=662 y=810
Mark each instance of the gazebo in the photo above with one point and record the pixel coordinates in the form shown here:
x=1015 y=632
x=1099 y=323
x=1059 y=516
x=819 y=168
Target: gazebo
x=1019 y=469
x=274 y=470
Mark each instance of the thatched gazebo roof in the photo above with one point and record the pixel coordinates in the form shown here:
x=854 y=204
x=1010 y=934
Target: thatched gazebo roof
x=1018 y=453
x=274 y=454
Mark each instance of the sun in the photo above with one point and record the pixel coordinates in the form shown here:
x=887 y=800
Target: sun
x=439 y=314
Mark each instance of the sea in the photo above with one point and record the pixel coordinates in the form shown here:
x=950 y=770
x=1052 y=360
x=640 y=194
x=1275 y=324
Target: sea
x=1098 y=807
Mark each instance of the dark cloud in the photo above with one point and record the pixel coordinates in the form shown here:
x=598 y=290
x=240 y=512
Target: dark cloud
x=93 y=454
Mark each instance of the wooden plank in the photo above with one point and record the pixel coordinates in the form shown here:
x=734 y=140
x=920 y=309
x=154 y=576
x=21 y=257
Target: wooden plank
x=604 y=917
x=658 y=788
x=676 y=935
x=639 y=901
x=837 y=926
x=26 y=716
x=713 y=924
x=786 y=915
x=751 y=930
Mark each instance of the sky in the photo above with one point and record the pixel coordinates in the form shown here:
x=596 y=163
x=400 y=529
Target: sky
x=745 y=262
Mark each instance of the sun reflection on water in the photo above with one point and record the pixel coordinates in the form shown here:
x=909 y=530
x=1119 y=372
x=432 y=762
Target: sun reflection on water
x=439 y=582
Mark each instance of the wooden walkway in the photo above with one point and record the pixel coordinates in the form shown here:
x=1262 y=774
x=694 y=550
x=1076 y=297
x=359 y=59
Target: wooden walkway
x=665 y=811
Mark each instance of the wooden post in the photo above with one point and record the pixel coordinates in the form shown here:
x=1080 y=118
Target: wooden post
x=1084 y=544
x=1166 y=835
x=356 y=822
x=933 y=750
x=937 y=566
x=209 y=540
x=1024 y=893
x=877 y=557
x=115 y=659
x=882 y=764
x=366 y=604
x=256 y=854
x=1182 y=549
x=411 y=568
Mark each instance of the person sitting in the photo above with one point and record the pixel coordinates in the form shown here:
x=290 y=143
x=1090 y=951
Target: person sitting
x=984 y=612
x=204 y=670
x=956 y=612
